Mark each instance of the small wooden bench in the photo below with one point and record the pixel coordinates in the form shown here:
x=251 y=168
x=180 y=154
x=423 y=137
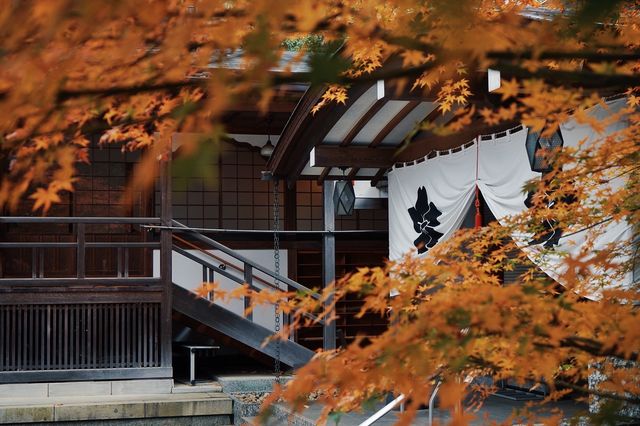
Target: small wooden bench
x=192 y=359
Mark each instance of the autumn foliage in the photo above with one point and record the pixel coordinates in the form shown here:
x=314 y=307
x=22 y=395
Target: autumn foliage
x=136 y=71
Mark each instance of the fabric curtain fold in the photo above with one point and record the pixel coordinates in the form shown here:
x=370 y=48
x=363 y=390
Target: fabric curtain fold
x=428 y=201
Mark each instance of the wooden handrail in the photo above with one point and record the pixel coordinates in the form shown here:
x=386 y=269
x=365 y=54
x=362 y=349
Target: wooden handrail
x=80 y=244
x=228 y=275
x=74 y=244
x=224 y=261
x=74 y=219
x=285 y=280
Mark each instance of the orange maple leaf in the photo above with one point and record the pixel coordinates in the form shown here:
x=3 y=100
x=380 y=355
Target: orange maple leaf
x=43 y=198
x=509 y=89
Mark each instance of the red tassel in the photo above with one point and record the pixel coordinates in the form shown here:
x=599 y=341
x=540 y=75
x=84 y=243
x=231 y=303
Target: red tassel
x=478 y=213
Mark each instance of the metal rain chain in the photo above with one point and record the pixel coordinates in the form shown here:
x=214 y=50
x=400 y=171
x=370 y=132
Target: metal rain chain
x=276 y=261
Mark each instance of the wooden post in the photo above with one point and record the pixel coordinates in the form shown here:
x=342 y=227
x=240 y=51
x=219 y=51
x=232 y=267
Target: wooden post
x=165 y=259
x=80 y=247
x=248 y=278
x=328 y=258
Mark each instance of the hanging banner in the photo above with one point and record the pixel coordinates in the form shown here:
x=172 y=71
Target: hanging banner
x=428 y=201
x=504 y=169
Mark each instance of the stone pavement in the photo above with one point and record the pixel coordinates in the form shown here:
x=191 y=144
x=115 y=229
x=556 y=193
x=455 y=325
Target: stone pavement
x=495 y=409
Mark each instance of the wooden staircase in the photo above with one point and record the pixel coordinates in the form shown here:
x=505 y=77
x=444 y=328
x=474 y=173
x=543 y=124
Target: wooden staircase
x=233 y=329
x=225 y=326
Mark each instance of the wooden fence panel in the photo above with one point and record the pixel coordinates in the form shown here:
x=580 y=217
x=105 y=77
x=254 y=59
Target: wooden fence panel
x=36 y=337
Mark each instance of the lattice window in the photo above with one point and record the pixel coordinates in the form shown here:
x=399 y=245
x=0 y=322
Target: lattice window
x=309 y=212
x=235 y=198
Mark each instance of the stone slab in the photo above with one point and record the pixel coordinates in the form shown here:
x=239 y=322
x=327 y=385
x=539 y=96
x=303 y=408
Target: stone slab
x=141 y=387
x=164 y=421
x=207 y=388
x=13 y=415
x=24 y=390
x=75 y=412
x=79 y=389
x=118 y=408
x=211 y=406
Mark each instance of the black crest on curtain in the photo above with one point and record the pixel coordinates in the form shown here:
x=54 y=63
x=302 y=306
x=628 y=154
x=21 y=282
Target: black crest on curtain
x=550 y=232
x=425 y=217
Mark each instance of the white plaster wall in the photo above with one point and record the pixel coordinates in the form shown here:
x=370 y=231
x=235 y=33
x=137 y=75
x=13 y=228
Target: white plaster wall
x=188 y=274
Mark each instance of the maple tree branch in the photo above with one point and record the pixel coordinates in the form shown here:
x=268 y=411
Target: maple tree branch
x=588 y=79
x=581 y=78
x=66 y=94
x=603 y=394
x=590 y=346
x=98 y=125
x=575 y=54
x=277 y=79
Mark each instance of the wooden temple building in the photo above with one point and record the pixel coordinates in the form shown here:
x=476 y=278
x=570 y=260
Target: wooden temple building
x=100 y=290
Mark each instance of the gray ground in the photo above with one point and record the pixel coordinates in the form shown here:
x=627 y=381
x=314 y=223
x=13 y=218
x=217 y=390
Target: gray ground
x=495 y=409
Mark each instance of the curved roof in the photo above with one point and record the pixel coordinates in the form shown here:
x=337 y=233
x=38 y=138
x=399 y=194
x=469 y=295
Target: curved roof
x=377 y=127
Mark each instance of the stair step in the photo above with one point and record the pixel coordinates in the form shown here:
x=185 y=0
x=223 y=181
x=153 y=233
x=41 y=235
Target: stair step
x=199 y=387
x=114 y=408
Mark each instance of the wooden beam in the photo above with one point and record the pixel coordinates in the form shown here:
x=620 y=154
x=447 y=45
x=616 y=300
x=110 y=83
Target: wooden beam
x=384 y=157
x=324 y=174
x=363 y=121
x=352 y=173
x=304 y=131
x=353 y=156
x=420 y=147
x=394 y=122
x=433 y=115
x=378 y=177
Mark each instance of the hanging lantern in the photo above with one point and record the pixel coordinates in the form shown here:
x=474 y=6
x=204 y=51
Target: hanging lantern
x=267 y=149
x=541 y=150
x=344 y=197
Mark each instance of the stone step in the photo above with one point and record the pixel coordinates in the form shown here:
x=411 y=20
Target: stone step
x=117 y=407
x=206 y=387
x=85 y=388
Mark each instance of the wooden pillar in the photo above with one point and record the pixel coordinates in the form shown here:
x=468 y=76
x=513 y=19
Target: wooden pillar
x=328 y=257
x=80 y=250
x=165 y=259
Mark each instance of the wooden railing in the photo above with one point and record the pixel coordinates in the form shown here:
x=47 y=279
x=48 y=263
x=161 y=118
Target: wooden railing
x=81 y=327
x=80 y=245
x=245 y=269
